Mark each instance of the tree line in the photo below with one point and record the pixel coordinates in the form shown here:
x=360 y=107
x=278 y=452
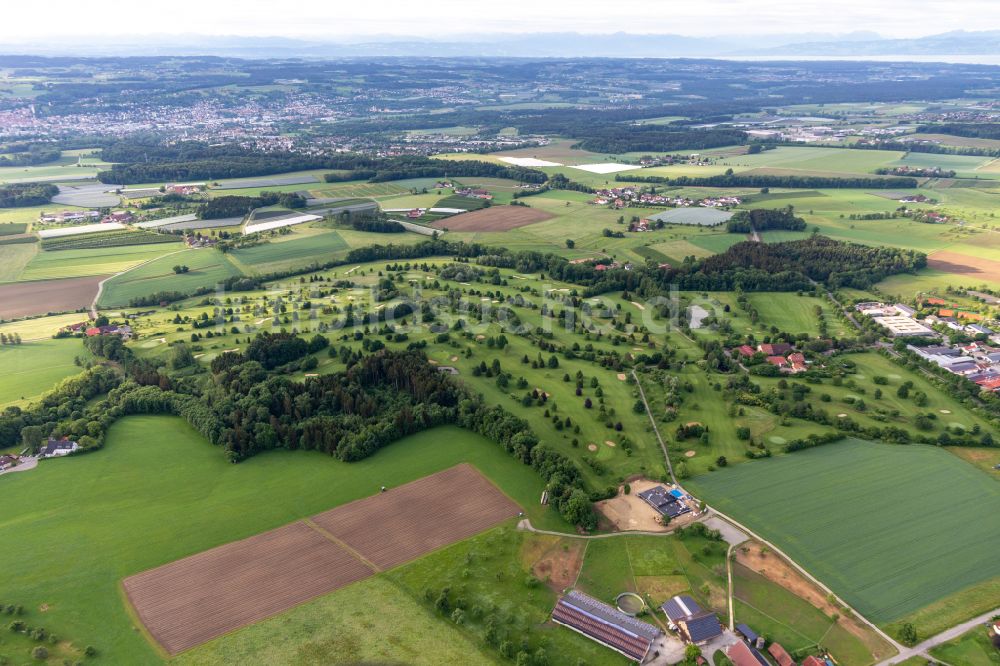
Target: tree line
x=762 y=219
x=729 y=179
x=17 y=195
x=238 y=206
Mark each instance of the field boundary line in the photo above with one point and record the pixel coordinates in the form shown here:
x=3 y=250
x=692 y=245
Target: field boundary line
x=631 y=569
x=308 y=522
x=809 y=643
x=583 y=559
x=140 y=626
x=525 y=525
x=795 y=565
x=100 y=285
x=656 y=430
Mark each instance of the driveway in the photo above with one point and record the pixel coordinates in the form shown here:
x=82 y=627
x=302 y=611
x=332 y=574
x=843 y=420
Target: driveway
x=669 y=650
x=730 y=533
x=24 y=465
x=721 y=643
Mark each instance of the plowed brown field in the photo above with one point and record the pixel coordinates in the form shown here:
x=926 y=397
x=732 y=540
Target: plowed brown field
x=406 y=522
x=976 y=268
x=190 y=601
x=23 y=299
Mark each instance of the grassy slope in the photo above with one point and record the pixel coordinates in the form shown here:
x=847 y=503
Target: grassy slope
x=863 y=539
x=82 y=263
x=14 y=258
x=32 y=368
x=657 y=568
x=775 y=612
x=487 y=572
x=158 y=492
x=371 y=621
x=207 y=267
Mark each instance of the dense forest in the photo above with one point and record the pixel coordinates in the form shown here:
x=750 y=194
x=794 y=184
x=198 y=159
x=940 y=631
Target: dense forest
x=376 y=400
x=238 y=206
x=631 y=138
x=754 y=180
x=376 y=224
x=138 y=162
x=411 y=166
x=16 y=195
x=28 y=154
x=762 y=219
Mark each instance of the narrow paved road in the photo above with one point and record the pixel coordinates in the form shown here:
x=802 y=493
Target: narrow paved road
x=920 y=649
x=100 y=285
x=889 y=639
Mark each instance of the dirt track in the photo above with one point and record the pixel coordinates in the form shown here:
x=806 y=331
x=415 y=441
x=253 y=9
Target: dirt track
x=203 y=596
x=22 y=299
x=495 y=218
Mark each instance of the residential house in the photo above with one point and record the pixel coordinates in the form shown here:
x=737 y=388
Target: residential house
x=775 y=348
x=58 y=447
x=742 y=654
x=693 y=624
x=118 y=216
x=124 y=331
x=6 y=462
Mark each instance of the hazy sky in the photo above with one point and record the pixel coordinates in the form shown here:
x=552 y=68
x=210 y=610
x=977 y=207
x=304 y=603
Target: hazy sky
x=334 y=19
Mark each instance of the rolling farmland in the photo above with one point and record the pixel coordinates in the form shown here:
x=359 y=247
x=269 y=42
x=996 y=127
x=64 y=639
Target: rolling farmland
x=182 y=496
x=90 y=262
x=22 y=299
x=207 y=268
x=874 y=522
x=495 y=218
x=245 y=581
x=319 y=247
x=33 y=368
x=239 y=583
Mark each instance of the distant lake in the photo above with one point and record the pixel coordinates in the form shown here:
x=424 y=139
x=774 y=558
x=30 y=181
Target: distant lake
x=969 y=59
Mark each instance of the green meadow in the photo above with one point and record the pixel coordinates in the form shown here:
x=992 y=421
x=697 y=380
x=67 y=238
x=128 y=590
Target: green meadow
x=297 y=250
x=33 y=368
x=50 y=265
x=207 y=267
x=874 y=522
x=158 y=492
x=797 y=625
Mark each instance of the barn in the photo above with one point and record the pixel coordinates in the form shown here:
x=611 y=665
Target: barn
x=605 y=624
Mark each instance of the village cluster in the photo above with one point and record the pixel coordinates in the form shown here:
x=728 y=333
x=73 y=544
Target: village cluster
x=623 y=197
x=977 y=358
x=688 y=622
x=779 y=354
